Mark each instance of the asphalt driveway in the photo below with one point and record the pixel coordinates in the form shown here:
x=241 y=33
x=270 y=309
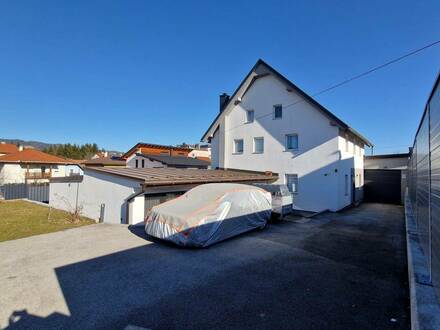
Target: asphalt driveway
x=346 y=270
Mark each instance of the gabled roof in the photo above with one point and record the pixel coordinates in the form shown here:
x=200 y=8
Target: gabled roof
x=262 y=69
x=176 y=160
x=8 y=148
x=154 y=146
x=34 y=156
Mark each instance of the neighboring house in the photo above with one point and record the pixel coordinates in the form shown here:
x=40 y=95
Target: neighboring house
x=390 y=161
x=159 y=161
x=7 y=148
x=269 y=124
x=125 y=195
x=100 y=154
x=156 y=149
x=31 y=165
x=104 y=161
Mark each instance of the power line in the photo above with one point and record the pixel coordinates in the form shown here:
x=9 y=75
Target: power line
x=355 y=77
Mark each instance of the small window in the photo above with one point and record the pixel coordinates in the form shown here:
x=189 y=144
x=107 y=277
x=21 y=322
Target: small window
x=238 y=146
x=346 y=184
x=292 y=183
x=137 y=163
x=278 y=111
x=292 y=141
x=143 y=163
x=258 y=145
x=249 y=116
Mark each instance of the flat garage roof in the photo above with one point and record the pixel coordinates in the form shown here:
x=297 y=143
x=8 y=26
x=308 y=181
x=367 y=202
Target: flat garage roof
x=151 y=177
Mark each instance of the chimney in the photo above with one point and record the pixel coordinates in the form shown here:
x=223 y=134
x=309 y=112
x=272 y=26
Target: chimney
x=20 y=147
x=224 y=98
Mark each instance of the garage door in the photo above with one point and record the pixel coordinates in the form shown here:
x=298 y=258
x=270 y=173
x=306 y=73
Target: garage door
x=382 y=186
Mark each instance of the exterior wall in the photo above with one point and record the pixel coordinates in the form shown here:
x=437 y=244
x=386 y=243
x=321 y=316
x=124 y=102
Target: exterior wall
x=131 y=162
x=95 y=189
x=11 y=173
x=317 y=160
x=352 y=164
x=136 y=211
x=163 y=151
x=397 y=163
x=215 y=152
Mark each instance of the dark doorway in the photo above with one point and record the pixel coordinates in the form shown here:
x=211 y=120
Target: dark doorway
x=382 y=186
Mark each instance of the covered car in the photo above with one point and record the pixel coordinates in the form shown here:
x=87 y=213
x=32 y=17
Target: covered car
x=210 y=213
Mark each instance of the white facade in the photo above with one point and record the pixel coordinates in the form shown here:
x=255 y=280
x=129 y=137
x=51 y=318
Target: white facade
x=99 y=189
x=136 y=161
x=16 y=173
x=321 y=162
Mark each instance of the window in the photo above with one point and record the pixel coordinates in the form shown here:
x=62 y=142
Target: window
x=249 y=116
x=258 y=145
x=346 y=184
x=137 y=163
x=278 y=111
x=292 y=183
x=238 y=146
x=292 y=141
x=143 y=163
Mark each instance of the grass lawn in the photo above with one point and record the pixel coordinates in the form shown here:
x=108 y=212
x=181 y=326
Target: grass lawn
x=22 y=219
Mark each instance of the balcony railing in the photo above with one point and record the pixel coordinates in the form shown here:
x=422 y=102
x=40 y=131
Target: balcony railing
x=38 y=175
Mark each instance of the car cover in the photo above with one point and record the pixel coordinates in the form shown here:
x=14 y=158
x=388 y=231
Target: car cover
x=209 y=213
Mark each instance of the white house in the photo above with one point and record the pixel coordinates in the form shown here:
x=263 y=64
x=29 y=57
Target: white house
x=269 y=124
x=31 y=165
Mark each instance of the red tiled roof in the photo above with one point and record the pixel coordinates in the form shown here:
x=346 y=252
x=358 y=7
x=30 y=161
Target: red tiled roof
x=33 y=156
x=8 y=148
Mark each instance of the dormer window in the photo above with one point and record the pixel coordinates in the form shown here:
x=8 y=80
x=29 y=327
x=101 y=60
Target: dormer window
x=277 y=111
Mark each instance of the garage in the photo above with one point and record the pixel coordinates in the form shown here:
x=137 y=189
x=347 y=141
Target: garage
x=383 y=186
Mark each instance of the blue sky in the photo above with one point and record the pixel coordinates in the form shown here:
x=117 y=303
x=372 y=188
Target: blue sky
x=119 y=72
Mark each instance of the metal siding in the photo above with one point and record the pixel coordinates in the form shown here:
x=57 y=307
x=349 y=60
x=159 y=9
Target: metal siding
x=36 y=192
x=434 y=111
x=424 y=185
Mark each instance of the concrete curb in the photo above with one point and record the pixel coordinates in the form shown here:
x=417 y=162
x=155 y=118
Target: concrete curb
x=425 y=307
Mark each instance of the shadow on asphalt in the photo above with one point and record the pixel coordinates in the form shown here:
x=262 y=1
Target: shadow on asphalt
x=344 y=270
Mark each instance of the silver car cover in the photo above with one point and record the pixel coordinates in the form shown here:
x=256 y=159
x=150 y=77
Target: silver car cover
x=209 y=213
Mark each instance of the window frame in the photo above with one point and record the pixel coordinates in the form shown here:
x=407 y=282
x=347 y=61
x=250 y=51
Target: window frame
x=234 y=149
x=293 y=175
x=275 y=112
x=287 y=139
x=247 y=116
x=143 y=163
x=254 y=146
x=137 y=163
